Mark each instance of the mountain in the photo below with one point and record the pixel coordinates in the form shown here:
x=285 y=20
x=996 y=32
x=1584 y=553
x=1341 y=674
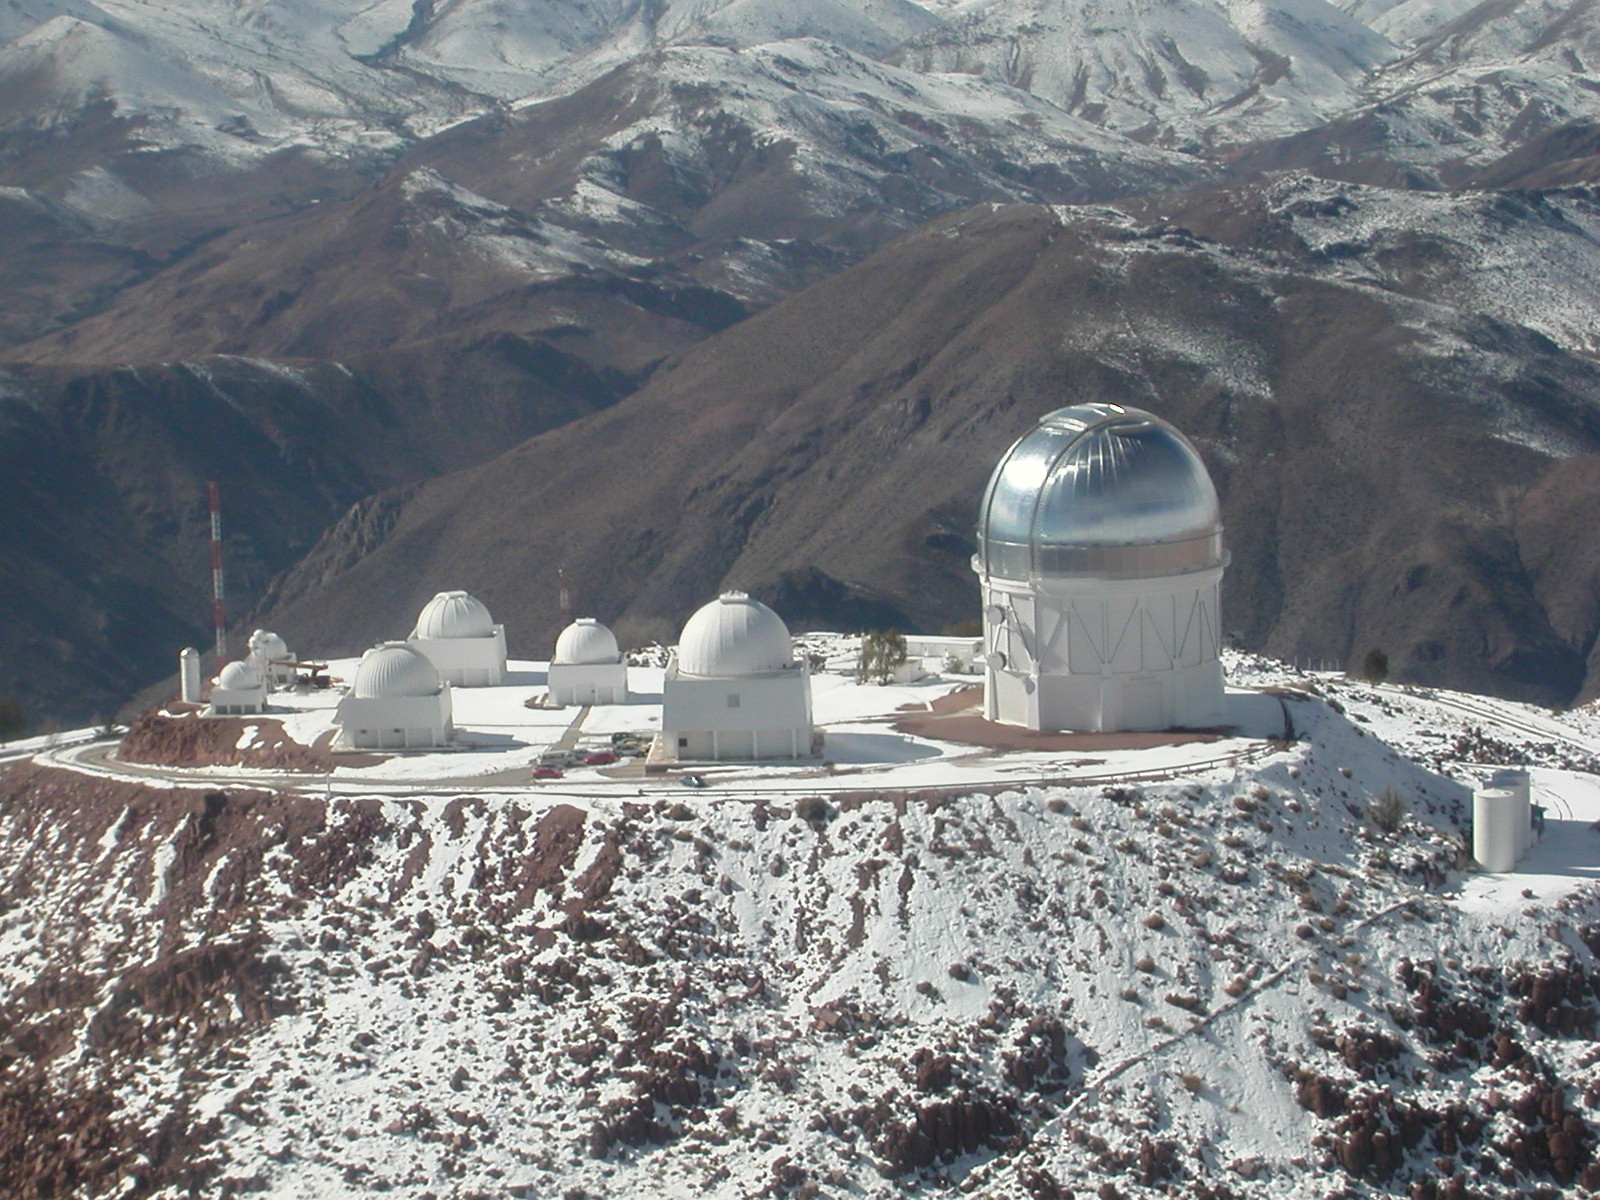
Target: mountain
x=1249 y=980
x=495 y=219
x=107 y=536
x=1377 y=383
x=1190 y=75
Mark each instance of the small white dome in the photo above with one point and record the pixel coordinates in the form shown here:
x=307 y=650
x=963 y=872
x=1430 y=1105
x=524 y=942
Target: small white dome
x=394 y=669
x=734 y=635
x=586 y=641
x=266 y=646
x=238 y=677
x=454 y=615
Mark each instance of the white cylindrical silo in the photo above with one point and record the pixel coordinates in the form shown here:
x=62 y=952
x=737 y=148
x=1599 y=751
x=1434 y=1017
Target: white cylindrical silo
x=1515 y=780
x=1496 y=840
x=189 y=675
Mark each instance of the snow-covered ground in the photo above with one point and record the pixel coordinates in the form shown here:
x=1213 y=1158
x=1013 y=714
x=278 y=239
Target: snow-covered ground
x=1224 y=976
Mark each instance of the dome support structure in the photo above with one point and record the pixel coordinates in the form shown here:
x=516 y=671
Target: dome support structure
x=1100 y=564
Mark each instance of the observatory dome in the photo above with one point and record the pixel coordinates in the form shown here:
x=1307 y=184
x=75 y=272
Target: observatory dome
x=238 y=677
x=586 y=641
x=266 y=646
x=1099 y=490
x=734 y=635
x=394 y=669
x=454 y=615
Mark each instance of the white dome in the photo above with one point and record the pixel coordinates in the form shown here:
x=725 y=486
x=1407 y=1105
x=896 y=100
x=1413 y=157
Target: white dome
x=734 y=635
x=586 y=641
x=238 y=677
x=454 y=615
x=394 y=669
x=266 y=646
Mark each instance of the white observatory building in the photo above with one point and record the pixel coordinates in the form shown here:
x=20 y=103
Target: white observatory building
x=269 y=655
x=238 y=690
x=459 y=637
x=1100 y=559
x=397 y=702
x=587 y=667
x=734 y=689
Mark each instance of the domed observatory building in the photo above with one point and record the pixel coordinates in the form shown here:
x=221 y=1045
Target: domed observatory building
x=587 y=667
x=459 y=637
x=1099 y=559
x=238 y=690
x=734 y=689
x=269 y=655
x=397 y=702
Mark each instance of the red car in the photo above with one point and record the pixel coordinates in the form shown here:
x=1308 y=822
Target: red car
x=547 y=772
x=599 y=758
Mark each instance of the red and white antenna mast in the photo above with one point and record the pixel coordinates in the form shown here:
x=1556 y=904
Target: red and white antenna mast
x=214 y=493
x=566 y=598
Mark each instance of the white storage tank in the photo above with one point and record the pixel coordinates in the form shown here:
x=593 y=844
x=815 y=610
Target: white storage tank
x=1500 y=819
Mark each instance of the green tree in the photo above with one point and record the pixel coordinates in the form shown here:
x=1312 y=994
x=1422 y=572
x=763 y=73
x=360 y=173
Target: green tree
x=881 y=654
x=1375 y=667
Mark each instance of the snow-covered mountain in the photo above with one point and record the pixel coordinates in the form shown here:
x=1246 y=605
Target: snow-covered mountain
x=1249 y=969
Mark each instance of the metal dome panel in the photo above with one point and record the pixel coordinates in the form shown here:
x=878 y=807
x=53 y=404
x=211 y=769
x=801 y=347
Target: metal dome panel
x=733 y=636
x=454 y=615
x=585 y=642
x=1100 y=490
x=394 y=669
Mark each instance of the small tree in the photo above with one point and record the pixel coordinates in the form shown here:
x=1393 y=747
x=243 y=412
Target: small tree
x=1375 y=667
x=13 y=719
x=881 y=654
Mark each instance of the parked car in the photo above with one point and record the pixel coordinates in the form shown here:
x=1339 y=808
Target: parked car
x=693 y=781
x=546 y=771
x=599 y=758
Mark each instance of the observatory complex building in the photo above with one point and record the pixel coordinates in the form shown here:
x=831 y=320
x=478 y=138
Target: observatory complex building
x=239 y=690
x=1100 y=559
x=734 y=689
x=587 y=667
x=396 y=702
x=459 y=637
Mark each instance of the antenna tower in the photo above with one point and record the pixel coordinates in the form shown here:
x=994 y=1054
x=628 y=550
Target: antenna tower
x=214 y=494
x=566 y=598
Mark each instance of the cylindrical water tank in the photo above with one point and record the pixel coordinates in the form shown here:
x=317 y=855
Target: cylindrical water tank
x=189 y=675
x=1515 y=779
x=1496 y=840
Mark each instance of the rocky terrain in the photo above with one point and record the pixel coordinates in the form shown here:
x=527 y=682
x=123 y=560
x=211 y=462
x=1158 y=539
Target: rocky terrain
x=404 y=240
x=1253 y=982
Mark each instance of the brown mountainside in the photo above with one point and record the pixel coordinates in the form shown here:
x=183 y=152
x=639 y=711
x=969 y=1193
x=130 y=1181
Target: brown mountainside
x=1379 y=448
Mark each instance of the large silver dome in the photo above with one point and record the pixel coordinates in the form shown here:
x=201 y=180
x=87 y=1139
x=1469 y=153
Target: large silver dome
x=1099 y=490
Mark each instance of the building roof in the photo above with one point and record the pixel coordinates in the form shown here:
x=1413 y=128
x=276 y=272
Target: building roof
x=238 y=676
x=394 y=669
x=1099 y=490
x=586 y=641
x=454 y=615
x=732 y=636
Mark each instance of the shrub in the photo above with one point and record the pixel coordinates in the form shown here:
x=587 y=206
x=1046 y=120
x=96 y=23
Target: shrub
x=1387 y=810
